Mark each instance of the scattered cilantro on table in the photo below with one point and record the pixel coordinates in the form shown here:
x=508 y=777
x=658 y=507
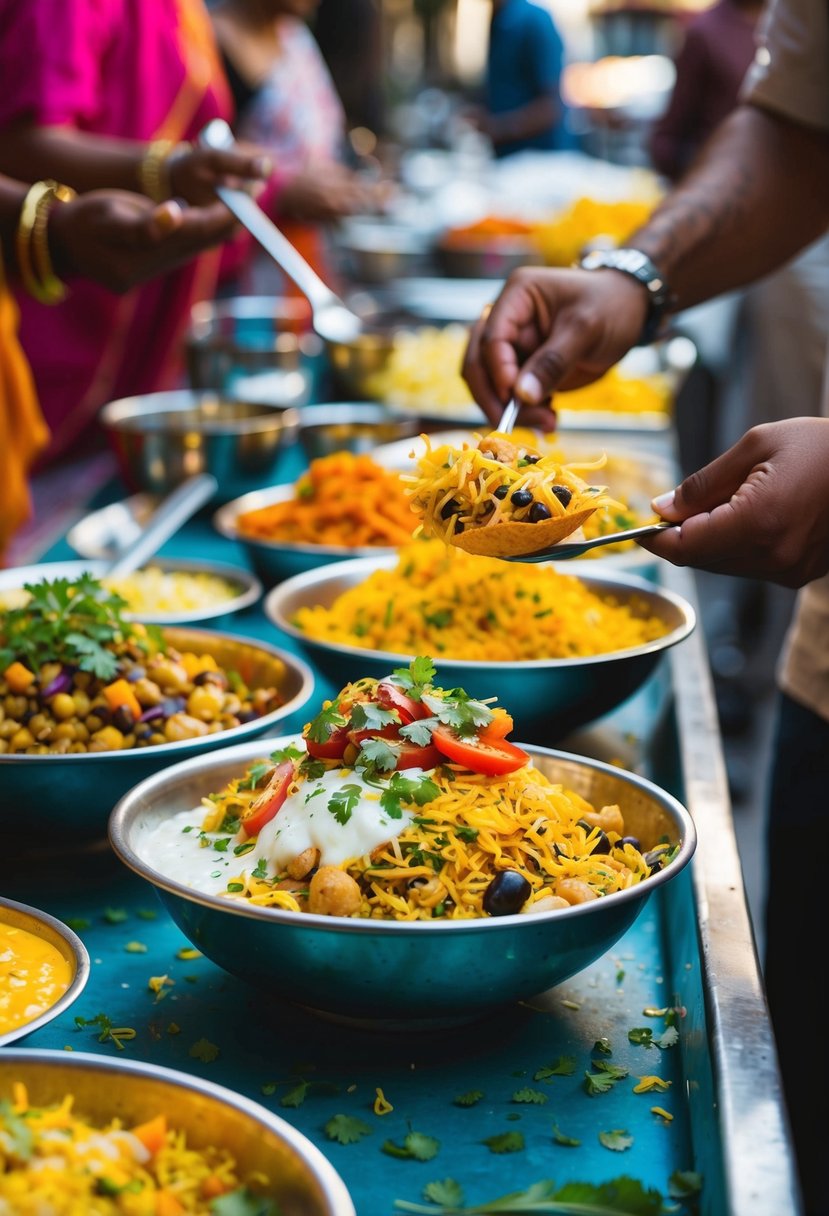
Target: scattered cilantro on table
x=618 y=1140
x=415 y=1146
x=346 y=1129
x=622 y=1196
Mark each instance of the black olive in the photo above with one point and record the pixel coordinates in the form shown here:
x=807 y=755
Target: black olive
x=563 y=495
x=532 y=459
x=212 y=677
x=538 y=512
x=521 y=498
x=634 y=841
x=459 y=527
x=602 y=844
x=655 y=860
x=449 y=508
x=247 y=715
x=501 y=491
x=507 y=893
x=123 y=719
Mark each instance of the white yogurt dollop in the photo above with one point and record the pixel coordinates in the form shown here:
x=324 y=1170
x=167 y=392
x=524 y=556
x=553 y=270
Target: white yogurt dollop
x=206 y=861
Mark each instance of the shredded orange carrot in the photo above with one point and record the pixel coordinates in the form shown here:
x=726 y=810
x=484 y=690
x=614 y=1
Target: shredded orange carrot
x=120 y=693
x=166 y=1204
x=152 y=1134
x=342 y=499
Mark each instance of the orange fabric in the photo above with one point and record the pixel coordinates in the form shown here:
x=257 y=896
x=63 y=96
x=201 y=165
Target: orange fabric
x=23 y=432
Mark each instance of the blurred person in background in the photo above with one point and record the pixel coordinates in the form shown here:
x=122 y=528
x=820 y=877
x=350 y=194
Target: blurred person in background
x=757 y=194
x=778 y=331
x=523 y=107
x=111 y=237
x=349 y=34
x=98 y=94
x=287 y=104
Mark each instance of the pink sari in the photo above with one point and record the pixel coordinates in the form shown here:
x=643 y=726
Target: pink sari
x=139 y=70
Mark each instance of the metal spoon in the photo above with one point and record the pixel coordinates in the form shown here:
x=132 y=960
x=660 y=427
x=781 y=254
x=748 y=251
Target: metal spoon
x=167 y=518
x=574 y=548
x=332 y=319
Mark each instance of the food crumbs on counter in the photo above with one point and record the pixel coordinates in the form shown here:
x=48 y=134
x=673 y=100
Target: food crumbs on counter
x=571 y=1005
x=381 y=1104
x=619 y=1140
x=187 y=953
x=662 y=1113
x=34 y=975
x=160 y=985
x=174 y=1028
x=205 y=1051
x=115 y=916
x=117 y=1034
x=135 y=948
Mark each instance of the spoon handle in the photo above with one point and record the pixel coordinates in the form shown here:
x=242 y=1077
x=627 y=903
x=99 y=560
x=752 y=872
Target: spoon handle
x=575 y=548
x=168 y=517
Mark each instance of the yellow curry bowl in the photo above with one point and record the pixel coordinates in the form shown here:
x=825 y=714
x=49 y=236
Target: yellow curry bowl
x=44 y=967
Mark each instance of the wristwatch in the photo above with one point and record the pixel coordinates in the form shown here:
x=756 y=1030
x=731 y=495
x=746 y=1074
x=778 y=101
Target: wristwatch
x=639 y=266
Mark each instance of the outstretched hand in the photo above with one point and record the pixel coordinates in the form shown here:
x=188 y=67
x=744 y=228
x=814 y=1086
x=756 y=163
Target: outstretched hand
x=761 y=510
x=551 y=330
x=120 y=239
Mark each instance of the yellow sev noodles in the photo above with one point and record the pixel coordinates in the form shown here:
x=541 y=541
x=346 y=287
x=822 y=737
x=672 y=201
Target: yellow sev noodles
x=446 y=602
x=473 y=486
x=68 y=1165
x=442 y=862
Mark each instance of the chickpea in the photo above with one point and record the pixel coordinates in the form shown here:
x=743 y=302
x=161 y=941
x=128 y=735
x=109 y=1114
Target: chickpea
x=182 y=726
x=48 y=672
x=42 y=727
x=205 y=702
x=81 y=732
x=8 y=727
x=21 y=739
x=81 y=702
x=547 y=903
x=4 y=747
x=60 y=747
x=65 y=730
x=304 y=863
x=63 y=706
x=107 y=739
x=147 y=692
x=16 y=706
x=609 y=819
x=94 y=723
x=575 y=891
x=332 y=892
x=170 y=676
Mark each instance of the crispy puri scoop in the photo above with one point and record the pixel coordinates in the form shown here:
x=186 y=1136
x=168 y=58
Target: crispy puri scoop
x=514 y=539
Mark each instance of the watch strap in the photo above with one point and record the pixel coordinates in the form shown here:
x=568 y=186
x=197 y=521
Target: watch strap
x=639 y=266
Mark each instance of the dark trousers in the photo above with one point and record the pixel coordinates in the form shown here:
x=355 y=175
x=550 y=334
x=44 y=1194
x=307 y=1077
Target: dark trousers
x=797 y=934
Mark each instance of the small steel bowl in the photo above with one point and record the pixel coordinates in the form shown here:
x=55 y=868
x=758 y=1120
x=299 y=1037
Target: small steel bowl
x=62 y=801
x=248 y=589
x=376 y=250
x=402 y=972
x=160 y=439
x=350 y=426
x=549 y=698
x=262 y=344
x=302 y=1181
x=276 y=560
x=57 y=934
x=486 y=259
x=355 y=363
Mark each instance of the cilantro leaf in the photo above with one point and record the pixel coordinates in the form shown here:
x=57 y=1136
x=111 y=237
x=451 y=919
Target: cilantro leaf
x=459 y=711
x=684 y=1184
x=346 y=1129
x=618 y=1140
x=564 y=1066
x=533 y=1096
x=256 y=772
x=560 y=1138
x=343 y=801
x=470 y=1098
x=668 y=1038
x=505 y=1142
x=17 y=1133
x=377 y=755
x=297 y=1095
x=415 y=1146
x=447 y=1192
x=322 y=727
x=417 y=677
x=367 y=715
x=602 y=1046
x=419 y=732
x=624 y=1195
x=204 y=1050
x=641 y=1036
x=243 y=1202
x=419 y=790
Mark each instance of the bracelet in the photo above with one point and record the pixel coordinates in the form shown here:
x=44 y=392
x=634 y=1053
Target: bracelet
x=154 y=168
x=34 y=261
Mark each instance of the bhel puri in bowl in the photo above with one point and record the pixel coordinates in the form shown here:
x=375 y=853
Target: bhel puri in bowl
x=91 y=703
x=402 y=859
x=563 y=649
x=111 y=1135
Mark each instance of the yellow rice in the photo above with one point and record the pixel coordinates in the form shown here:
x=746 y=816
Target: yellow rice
x=445 y=602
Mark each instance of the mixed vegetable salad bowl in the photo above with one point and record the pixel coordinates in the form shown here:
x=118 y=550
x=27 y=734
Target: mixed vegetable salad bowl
x=402 y=862
x=93 y=702
x=371 y=613
x=156 y=1133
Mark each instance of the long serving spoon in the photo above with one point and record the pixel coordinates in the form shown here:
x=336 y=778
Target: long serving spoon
x=575 y=548
x=168 y=517
x=332 y=319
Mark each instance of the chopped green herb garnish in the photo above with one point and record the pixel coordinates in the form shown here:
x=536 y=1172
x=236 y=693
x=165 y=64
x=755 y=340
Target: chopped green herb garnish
x=328 y=720
x=343 y=801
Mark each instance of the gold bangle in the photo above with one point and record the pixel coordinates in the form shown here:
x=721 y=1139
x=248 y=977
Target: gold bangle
x=154 y=169
x=34 y=260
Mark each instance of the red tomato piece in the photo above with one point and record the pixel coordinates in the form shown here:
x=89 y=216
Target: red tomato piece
x=263 y=808
x=380 y=732
x=332 y=748
x=492 y=756
x=390 y=696
x=412 y=756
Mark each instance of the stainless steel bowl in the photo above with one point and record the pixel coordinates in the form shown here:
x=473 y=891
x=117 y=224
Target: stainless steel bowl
x=376 y=250
x=354 y=364
x=59 y=801
x=494 y=259
x=253 y=343
x=302 y=1180
x=275 y=560
x=548 y=697
x=350 y=426
x=402 y=971
x=247 y=587
x=162 y=438
x=70 y=946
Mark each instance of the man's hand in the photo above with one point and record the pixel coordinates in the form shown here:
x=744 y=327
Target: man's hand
x=549 y=331
x=120 y=239
x=761 y=510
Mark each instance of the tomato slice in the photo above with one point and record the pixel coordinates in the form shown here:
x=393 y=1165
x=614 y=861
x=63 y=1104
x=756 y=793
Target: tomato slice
x=380 y=732
x=391 y=696
x=412 y=756
x=263 y=808
x=490 y=756
x=332 y=749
